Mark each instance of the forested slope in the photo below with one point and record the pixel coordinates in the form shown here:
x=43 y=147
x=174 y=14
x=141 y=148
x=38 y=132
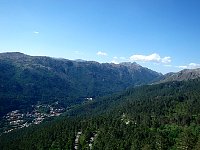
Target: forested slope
x=25 y=80
x=164 y=116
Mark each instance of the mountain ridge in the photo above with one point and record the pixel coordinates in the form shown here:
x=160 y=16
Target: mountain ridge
x=40 y=78
x=183 y=75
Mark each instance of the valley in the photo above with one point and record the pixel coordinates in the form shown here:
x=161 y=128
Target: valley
x=45 y=110
x=99 y=75
x=25 y=79
x=17 y=119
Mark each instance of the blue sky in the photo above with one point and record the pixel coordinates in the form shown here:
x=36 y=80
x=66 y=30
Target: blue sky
x=163 y=35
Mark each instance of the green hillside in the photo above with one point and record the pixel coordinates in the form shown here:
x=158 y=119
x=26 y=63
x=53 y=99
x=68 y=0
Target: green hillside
x=25 y=80
x=164 y=116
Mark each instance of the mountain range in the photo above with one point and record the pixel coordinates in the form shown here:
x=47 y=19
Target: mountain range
x=25 y=80
x=102 y=105
x=163 y=116
x=183 y=75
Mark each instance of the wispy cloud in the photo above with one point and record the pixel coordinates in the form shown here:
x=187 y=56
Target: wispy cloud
x=36 y=32
x=194 y=65
x=189 y=66
x=114 y=62
x=151 y=58
x=122 y=58
x=168 y=65
x=77 y=52
x=166 y=60
x=182 y=67
x=100 y=53
x=117 y=60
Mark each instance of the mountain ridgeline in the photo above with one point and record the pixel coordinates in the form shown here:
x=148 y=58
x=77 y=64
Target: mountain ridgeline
x=161 y=114
x=25 y=79
x=183 y=75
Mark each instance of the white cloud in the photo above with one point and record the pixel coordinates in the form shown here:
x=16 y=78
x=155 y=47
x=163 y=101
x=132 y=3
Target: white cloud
x=122 y=58
x=114 y=62
x=100 y=53
x=36 y=32
x=189 y=66
x=168 y=65
x=151 y=58
x=145 y=58
x=182 y=67
x=117 y=60
x=166 y=60
x=194 y=65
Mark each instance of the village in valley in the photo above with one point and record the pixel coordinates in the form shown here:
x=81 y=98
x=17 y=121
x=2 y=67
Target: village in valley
x=17 y=119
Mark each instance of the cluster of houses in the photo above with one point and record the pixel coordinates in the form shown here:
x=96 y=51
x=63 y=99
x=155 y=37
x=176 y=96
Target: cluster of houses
x=17 y=119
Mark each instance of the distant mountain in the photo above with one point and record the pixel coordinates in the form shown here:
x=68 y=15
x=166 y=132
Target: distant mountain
x=183 y=75
x=25 y=79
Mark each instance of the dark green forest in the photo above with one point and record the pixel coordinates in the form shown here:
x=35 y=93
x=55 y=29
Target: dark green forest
x=159 y=117
x=25 y=80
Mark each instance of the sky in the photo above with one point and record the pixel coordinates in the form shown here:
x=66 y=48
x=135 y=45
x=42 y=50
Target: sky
x=163 y=35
